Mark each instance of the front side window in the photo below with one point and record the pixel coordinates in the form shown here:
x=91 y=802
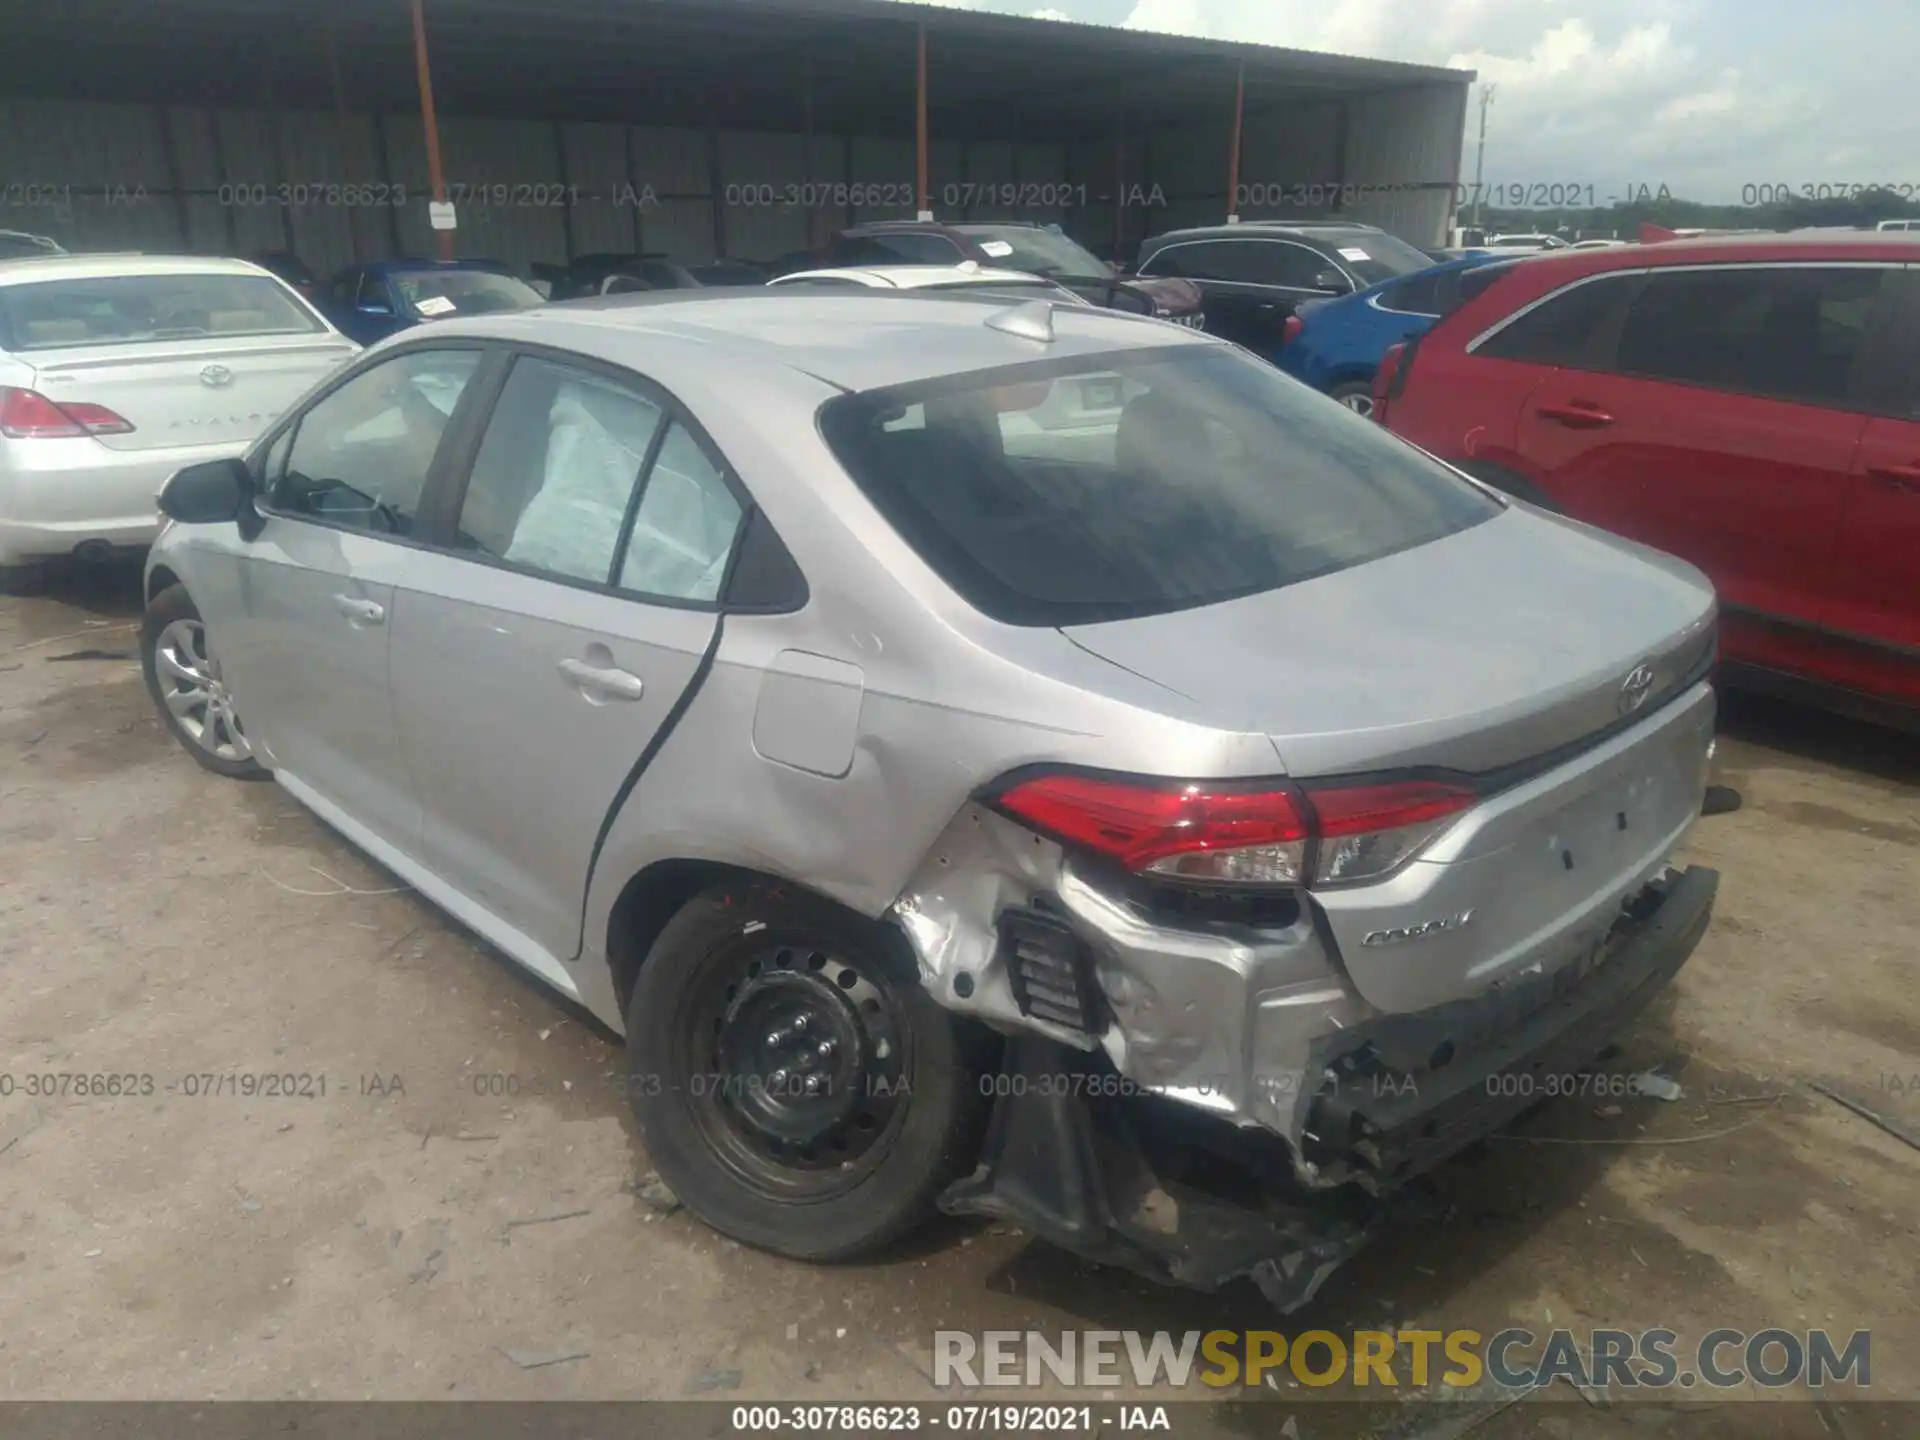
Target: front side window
x=360 y=457
x=137 y=309
x=556 y=471
x=1100 y=488
x=1793 y=332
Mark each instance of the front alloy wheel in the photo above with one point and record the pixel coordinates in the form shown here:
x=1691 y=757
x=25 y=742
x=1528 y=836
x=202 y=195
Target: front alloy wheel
x=184 y=678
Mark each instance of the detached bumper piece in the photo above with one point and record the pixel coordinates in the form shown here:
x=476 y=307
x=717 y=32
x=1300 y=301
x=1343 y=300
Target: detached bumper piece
x=1068 y=1161
x=1393 y=1117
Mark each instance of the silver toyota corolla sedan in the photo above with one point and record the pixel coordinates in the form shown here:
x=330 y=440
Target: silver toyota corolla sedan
x=1026 y=759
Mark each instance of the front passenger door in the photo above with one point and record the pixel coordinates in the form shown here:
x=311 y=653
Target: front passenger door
x=536 y=659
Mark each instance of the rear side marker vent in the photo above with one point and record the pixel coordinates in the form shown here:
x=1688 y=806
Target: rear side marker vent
x=1050 y=969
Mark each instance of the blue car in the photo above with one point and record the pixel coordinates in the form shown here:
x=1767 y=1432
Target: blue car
x=370 y=302
x=1336 y=345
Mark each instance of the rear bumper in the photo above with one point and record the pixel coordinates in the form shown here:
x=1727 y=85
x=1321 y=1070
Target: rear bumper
x=57 y=495
x=1383 y=1121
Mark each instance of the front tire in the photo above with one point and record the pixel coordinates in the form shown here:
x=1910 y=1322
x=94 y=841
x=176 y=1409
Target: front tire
x=795 y=1085
x=183 y=677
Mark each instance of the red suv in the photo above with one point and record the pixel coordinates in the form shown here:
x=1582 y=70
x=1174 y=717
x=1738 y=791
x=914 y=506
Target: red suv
x=1751 y=405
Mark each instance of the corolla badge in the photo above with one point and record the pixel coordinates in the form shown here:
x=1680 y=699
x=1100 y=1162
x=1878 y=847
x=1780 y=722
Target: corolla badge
x=1635 y=689
x=215 y=376
x=1399 y=934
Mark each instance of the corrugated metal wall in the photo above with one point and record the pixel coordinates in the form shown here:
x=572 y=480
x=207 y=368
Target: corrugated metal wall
x=330 y=187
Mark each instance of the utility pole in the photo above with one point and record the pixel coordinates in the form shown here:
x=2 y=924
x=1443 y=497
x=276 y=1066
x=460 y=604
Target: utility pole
x=1480 y=157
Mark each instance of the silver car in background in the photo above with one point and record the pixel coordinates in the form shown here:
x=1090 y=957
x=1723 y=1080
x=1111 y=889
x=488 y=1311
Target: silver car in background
x=116 y=371
x=1028 y=759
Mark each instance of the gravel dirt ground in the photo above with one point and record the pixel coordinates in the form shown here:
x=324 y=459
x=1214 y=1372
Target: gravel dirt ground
x=413 y=1233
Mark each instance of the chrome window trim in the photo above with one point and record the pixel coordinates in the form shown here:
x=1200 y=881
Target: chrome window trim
x=1374 y=301
x=1474 y=344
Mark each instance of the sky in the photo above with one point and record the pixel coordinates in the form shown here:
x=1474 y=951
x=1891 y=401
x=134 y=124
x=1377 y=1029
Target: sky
x=1706 y=97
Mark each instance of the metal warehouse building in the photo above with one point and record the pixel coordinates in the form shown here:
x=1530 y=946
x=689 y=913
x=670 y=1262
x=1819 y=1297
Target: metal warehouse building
x=695 y=128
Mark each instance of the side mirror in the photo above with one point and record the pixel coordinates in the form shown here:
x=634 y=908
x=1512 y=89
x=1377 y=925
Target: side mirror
x=207 y=493
x=1333 y=282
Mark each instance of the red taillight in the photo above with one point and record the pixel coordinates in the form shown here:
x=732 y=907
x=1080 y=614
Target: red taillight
x=29 y=415
x=1290 y=331
x=1222 y=833
x=1383 y=379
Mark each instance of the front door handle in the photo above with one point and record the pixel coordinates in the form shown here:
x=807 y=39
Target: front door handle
x=360 y=612
x=1575 y=415
x=602 y=684
x=1897 y=477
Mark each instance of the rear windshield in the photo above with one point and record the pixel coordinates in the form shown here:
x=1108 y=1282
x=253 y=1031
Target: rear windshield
x=436 y=294
x=1068 y=492
x=129 y=309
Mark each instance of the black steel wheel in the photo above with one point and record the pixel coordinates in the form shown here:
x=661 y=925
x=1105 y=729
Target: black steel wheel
x=794 y=1083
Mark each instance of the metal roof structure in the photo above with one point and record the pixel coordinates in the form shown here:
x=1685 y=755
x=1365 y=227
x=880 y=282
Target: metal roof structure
x=733 y=63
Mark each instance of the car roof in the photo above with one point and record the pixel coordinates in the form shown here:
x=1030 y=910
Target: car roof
x=36 y=268
x=851 y=339
x=1807 y=245
x=1312 y=229
x=917 y=277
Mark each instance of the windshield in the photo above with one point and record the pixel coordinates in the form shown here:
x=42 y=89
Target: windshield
x=1073 y=491
x=1042 y=252
x=436 y=294
x=130 y=309
x=1375 y=256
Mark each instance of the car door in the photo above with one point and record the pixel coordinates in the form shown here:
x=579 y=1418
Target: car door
x=1873 y=600
x=304 y=607
x=1714 y=427
x=538 y=653
x=1250 y=284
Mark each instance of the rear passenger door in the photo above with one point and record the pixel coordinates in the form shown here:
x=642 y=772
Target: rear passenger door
x=538 y=653
x=1715 y=417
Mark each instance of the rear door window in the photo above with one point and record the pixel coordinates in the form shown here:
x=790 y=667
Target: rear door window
x=137 y=309
x=1100 y=488
x=1790 y=332
x=1573 y=327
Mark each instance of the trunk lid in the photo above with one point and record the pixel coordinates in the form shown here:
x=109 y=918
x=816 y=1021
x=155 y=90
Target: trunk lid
x=189 y=392
x=1491 y=647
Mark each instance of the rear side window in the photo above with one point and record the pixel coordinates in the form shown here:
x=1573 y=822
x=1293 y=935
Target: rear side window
x=1792 y=332
x=1102 y=488
x=132 y=309
x=1418 y=295
x=1568 y=329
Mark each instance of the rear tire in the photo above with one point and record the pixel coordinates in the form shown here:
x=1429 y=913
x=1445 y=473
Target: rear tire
x=183 y=677
x=1356 y=395
x=752 y=994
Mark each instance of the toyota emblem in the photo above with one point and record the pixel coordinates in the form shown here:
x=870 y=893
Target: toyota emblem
x=216 y=376
x=1635 y=689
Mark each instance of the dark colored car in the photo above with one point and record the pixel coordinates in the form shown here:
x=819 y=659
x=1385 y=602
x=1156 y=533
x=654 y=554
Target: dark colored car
x=1252 y=276
x=1749 y=404
x=612 y=272
x=292 y=269
x=1335 y=345
x=1015 y=245
x=370 y=302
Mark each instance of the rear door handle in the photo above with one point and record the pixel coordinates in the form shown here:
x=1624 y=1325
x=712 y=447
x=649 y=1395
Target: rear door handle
x=603 y=684
x=361 y=612
x=1897 y=477
x=1575 y=415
